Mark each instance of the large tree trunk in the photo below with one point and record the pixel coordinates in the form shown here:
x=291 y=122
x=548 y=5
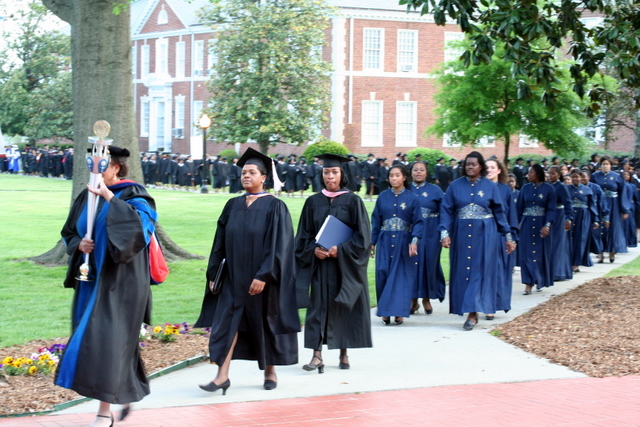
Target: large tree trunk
x=102 y=89
x=507 y=143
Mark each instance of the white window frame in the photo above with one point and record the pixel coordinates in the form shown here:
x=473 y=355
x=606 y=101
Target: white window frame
x=368 y=50
x=181 y=52
x=145 y=61
x=406 y=129
x=486 y=141
x=198 y=58
x=526 y=141
x=407 y=51
x=447 y=142
x=179 y=113
x=451 y=53
x=145 y=111
x=162 y=56
x=163 y=17
x=372 y=124
x=197 y=112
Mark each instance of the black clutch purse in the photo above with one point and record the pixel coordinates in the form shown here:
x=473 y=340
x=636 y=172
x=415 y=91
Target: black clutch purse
x=216 y=285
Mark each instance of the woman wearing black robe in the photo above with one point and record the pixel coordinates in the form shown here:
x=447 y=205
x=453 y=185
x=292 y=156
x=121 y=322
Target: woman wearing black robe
x=338 y=307
x=102 y=358
x=254 y=316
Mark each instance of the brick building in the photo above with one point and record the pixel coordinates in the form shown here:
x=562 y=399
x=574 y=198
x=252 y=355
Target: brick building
x=381 y=90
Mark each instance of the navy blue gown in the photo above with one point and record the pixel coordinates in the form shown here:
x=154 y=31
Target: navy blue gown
x=595 y=236
x=396 y=219
x=585 y=214
x=612 y=184
x=629 y=225
x=561 y=247
x=507 y=261
x=536 y=207
x=431 y=282
x=472 y=214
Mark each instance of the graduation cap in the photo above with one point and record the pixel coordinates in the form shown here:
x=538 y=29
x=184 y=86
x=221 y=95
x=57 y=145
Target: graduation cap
x=330 y=160
x=264 y=163
x=399 y=154
x=440 y=158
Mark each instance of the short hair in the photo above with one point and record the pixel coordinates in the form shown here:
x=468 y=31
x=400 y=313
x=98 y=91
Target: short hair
x=606 y=159
x=426 y=166
x=404 y=172
x=344 y=180
x=475 y=155
x=124 y=166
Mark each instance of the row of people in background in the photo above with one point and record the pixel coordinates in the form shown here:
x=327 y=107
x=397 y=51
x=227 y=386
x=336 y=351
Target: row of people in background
x=547 y=228
x=45 y=162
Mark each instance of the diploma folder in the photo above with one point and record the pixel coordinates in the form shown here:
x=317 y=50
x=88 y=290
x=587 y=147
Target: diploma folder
x=332 y=233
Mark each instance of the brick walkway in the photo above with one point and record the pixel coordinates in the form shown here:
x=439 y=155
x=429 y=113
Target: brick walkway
x=612 y=401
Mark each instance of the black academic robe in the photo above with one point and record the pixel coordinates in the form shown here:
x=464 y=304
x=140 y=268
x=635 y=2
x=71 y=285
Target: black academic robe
x=257 y=242
x=335 y=290
x=105 y=338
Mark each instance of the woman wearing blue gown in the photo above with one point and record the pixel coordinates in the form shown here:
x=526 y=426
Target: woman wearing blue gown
x=612 y=184
x=595 y=234
x=396 y=228
x=536 y=212
x=560 y=232
x=472 y=220
x=431 y=282
x=629 y=225
x=496 y=173
x=585 y=217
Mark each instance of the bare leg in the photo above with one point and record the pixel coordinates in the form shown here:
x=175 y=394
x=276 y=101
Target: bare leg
x=103 y=417
x=223 y=370
x=270 y=373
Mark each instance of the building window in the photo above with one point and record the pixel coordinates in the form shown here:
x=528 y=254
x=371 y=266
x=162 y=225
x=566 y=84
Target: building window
x=406 y=114
x=198 y=58
x=134 y=61
x=144 y=116
x=452 y=53
x=180 y=59
x=163 y=17
x=144 y=59
x=178 y=130
x=447 y=141
x=372 y=123
x=162 y=56
x=373 y=49
x=486 y=141
x=527 y=141
x=407 y=51
x=160 y=120
x=197 y=112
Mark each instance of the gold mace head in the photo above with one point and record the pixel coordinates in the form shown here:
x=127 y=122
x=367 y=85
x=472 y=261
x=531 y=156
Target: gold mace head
x=101 y=129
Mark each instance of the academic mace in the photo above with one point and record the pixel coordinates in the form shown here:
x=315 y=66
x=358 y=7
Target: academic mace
x=98 y=160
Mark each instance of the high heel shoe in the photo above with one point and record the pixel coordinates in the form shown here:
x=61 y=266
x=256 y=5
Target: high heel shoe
x=612 y=258
x=343 y=365
x=399 y=320
x=125 y=411
x=313 y=366
x=215 y=387
x=386 y=320
x=600 y=258
x=106 y=416
x=270 y=384
x=428 y=310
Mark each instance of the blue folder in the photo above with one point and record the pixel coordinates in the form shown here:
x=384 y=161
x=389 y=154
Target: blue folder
x=333 y=233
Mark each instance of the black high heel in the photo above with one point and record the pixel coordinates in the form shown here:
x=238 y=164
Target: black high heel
x=125 y=411
x=215 y=387
x=344 y=365
x=386 y=320
x=106 y=416
x=612 y=258
x=313 y=366
x=270 y=384
x=600 y=258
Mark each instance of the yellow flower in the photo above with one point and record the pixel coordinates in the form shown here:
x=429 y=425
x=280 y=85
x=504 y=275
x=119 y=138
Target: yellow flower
x=157 y=330
x=51 y=363
x=17 y=364
x=33 y=370
x=7 y=361
x=44 y=356
x=29 y=362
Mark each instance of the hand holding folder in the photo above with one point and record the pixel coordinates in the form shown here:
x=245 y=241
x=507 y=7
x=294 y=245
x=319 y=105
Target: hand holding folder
x=333 y=233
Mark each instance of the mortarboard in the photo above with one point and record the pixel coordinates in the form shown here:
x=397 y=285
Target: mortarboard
x=330 y=160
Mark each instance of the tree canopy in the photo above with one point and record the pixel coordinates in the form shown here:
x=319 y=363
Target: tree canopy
x=33 y=60
x=481 y=101
x=270 y=83
x=532 y=35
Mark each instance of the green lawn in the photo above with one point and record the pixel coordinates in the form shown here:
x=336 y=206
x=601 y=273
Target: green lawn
x=34 y=305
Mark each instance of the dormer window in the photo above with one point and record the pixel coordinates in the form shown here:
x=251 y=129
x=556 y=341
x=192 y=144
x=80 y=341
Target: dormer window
x=163 y=18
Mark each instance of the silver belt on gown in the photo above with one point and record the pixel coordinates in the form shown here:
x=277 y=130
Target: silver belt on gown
x=577 y=203
x=559 y=206
x=534 y=211
x=395 y=224
x=426 y=213
x=473 y=211
x=610 y=193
